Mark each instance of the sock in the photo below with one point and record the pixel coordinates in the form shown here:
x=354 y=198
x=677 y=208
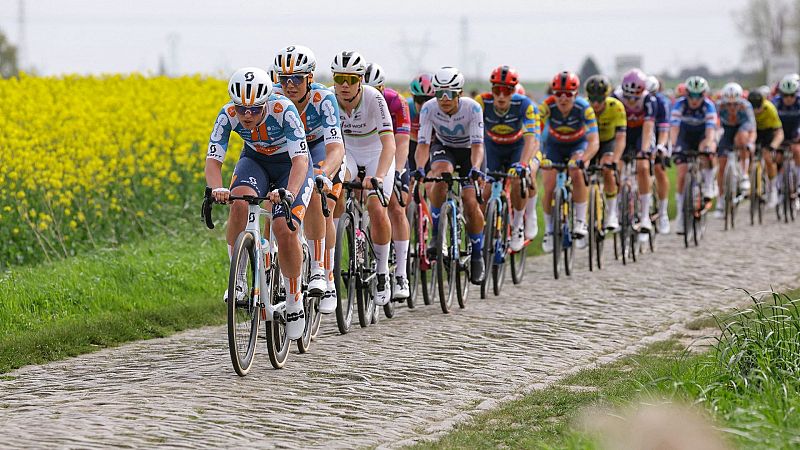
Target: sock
x=644 y=201
x=662 y=206
x=530 y=208
x=679 y=203
x=435 y=213
x=611 y=202
x=548 y=223
x=382 y=255
x=708 y=177
x=774 y=183
x=335 y=223
x=580 y=211
x=328 y=265
x=401 y=253
x=293 y=295
x=230 y=251
x=317 y=252
x=477 y=244
x=519 y=215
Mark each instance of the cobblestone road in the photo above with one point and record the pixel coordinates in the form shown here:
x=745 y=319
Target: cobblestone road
x=404 y=379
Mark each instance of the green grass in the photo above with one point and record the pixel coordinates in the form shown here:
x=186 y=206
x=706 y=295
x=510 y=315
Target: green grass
x=105 y=298
x=748 y=382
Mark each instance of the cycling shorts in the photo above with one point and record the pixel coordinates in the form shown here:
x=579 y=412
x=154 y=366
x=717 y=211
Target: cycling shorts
x=559 y=152
x=264 y=177
x=317 y=153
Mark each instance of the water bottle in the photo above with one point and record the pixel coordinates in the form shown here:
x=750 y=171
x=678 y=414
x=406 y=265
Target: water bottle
x=266 y=251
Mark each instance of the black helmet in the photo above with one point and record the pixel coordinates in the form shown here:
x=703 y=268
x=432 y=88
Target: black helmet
x=598 y=86
x=755 y=98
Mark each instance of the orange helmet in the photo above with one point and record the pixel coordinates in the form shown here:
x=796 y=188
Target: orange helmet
x=504 y=75
x=680 y=90
x=565 y=81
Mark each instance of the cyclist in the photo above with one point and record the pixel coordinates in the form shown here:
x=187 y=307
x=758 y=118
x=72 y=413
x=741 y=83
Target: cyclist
x=769 y=135
x=572 y=136
x=788 y=106
x=369 y=143
x=511 y=141
x=458 y=145
x=693 y=125
x=662 y=160
x=275 y=155
x=739 y=126
x=294 y=66
x=401 y=121
x=641 y=107
x=421 y=89
x=611 y=123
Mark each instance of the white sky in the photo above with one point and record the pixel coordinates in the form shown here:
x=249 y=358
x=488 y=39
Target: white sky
x=538 y=37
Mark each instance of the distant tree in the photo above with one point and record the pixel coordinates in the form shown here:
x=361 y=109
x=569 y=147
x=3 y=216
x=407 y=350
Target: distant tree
x=588 y=68
x=8 y=58
x=766 y=25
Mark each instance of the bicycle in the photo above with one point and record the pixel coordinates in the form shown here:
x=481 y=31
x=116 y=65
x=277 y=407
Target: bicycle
x=355 y=263
x=596 y=210
x=420 y=264
x=627 y=236
x=255 y=290
x=730 y=183
x=453 y=247
x=563 y=217
x=788 y=185
x=695 y=206
x=758 y=187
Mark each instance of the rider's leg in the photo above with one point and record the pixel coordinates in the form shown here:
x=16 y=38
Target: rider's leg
x=723 y=165
x=438 y=191
x=531 y=218
x=290 y=257
x=796 y=156
x=645 y=196
x=314 y=228
x=580 y=194
x=400 y=234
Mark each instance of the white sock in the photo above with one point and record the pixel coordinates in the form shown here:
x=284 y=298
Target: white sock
x=401 y=256
x=774 y=183
x=708 y=177
x=336 y=223
x=548 y=223
x=662 y=206
x=644 y=201
x=611 y=202
x=317 y=252
x=382 y=254
x=519 y=216
x=679 y=203
x=230 y=252
x=293 y=295
x=530 y=208
x=580 y=211
x=328 y=265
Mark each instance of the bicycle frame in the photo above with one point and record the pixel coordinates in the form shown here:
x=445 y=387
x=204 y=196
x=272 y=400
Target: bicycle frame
x=268 y=311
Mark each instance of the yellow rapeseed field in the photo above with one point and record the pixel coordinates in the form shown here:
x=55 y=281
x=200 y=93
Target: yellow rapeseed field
x=96 y=161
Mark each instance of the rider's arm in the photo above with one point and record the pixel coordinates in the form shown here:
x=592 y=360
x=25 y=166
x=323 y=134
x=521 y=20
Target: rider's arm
x=530 y=135
x=476 y=138
x=424 y=136
x=529 y=147
x=476 y=157
x=402 y=134
x=647 y=130
x=334 y=145
x=334 y=154
x=385 y=130
x=711 y=128
x=217 y=147
x=777 y=138
x=620 y=141
x=649 y=125
x=676 y=117
x=592 y=134
x=387 y=154
x=297 y=148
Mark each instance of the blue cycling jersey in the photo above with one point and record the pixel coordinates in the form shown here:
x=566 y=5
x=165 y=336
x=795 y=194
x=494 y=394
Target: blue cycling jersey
x=662 y=112
x=790 y=117
x=321 y=115
x=693 y=120
x=521 y=118
x=737 y=114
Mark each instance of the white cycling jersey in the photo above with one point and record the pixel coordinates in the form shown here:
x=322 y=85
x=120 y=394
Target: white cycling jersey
x=460 y=130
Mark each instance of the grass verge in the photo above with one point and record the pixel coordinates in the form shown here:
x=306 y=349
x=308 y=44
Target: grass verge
x=748 y=385
x=144 y=290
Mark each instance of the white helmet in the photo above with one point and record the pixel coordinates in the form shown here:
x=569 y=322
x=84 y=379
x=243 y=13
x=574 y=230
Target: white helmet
x=295 y=59
x=447 y=78
x=651 y=84
x=374 y=75
x=250 y=86
x=273 y=74
x=696 y=85
x=789 y=85
x=348 y=62
x=731 y=92
x=764 y=90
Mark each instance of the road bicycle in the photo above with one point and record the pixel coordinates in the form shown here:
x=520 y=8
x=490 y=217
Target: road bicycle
x=787 y=190
x=563 y=214
x=420 y=264
x=730 y=183
x=758 y=186
x=695 y=206
x=596 y=214
x=627 y=238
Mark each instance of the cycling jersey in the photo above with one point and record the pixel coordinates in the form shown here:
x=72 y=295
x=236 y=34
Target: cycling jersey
x=612 y=120
x=321 y=115
x=693 y=120
x=790 y=117
x=460 y=130
x=398 y=108
x=739 y=115
x=579 y=122
x=413 y=114
x=768 y=118
x=662 y=112
x=279 y=137
x=521 y=118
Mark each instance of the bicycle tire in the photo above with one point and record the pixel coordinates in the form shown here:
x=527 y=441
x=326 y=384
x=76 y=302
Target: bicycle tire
x=557 y=231
x=569 y=222
x=792 y=190
x=367 y=281
x=503 y=230
x=243 y=262
x=389 y=309
x=446 y=264
x=625 y=225
x=489 y=246
x=277 y=341
x=304 y=343
x=599 y=228
x=518 y=265
x=698 y=203
x=412 y=261
x=463 y=262
x=592 y=219
x=729 y=182
x=344 y=273
x=754 y=191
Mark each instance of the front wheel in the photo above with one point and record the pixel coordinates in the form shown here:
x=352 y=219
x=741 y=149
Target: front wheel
x=502 y=231
x=243 y=313
x=344 y=273
x=277 y=341
x=489 y=236
x=446 y=266
x=412 y=263
x=558 y=232
x=304 y=343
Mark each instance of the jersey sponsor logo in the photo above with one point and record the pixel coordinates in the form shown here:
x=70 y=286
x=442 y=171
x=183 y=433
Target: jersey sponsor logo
x=502 y=129
x=457 y=130
x=329 y=113
x=231 y=110
x=529 y=112
x=219 y=127
x=295 y=124
x=266 y=150
x=278 y=108
x=317 y=97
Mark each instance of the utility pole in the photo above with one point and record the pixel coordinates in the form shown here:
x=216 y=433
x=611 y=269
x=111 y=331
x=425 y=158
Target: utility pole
x=414 y=51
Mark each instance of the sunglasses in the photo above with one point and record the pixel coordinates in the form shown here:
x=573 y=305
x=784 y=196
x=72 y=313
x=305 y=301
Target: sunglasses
x=597 y=99
x=695 y=96
x=422 y=98
x=349 y=78
x=631 y=97
x=449 y=94
x=253 y=110
x=502 y=89
x=568 y=94
x=295 y=79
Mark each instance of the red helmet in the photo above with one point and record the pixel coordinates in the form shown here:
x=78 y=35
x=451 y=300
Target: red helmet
x=504 y=75
x=565 y=81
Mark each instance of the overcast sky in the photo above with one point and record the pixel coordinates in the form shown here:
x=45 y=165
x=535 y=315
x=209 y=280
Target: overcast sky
x=538 y=37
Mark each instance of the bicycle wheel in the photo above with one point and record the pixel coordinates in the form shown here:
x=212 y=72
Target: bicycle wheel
x=557 y=230
x=344 y=272
x=591 y=220
x=243 y=314
x=634 y=209
x=568 y=218
x=698 y=204
x=729 y=182
x=502 y=232
x=625 y=223
x=688 y=210
x=462 y=262
x=518 y=264
x=446 y=266
x=489 y=246
x=412 y=262
x=791 y=190
x=598 y=229
x=277 y=342
x=367 y=281
x=388 y=309
x=304 y=343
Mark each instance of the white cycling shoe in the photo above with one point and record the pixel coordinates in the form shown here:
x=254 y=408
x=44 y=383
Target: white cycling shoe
x=401 y=289
x=317 y=285
x=328 y=302
x=517 y=239
x=663 y=224
x=295 y=317
x=531 y=227
x=581 y=229
x=612 y=221
x=679 y=224
x=645 y=225
x=547 y=243
x=382 y=292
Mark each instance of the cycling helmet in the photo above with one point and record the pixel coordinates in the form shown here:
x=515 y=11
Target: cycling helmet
x=422 y=85
x=565 y=81
x=696 y=85
x=755 y=98
x=520 y=89
x=273 y=74
x=652 y=84
x=250 y=86
x=504 y=75
x=374 y=75
x=633 y=82
x=448 y=78
x=789 y=85
x=348 y=62
x=295 y=59
x=598 y=86
x=731 y=92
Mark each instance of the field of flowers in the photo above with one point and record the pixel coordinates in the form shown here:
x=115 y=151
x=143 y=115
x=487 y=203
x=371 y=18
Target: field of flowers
x=91 y=162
